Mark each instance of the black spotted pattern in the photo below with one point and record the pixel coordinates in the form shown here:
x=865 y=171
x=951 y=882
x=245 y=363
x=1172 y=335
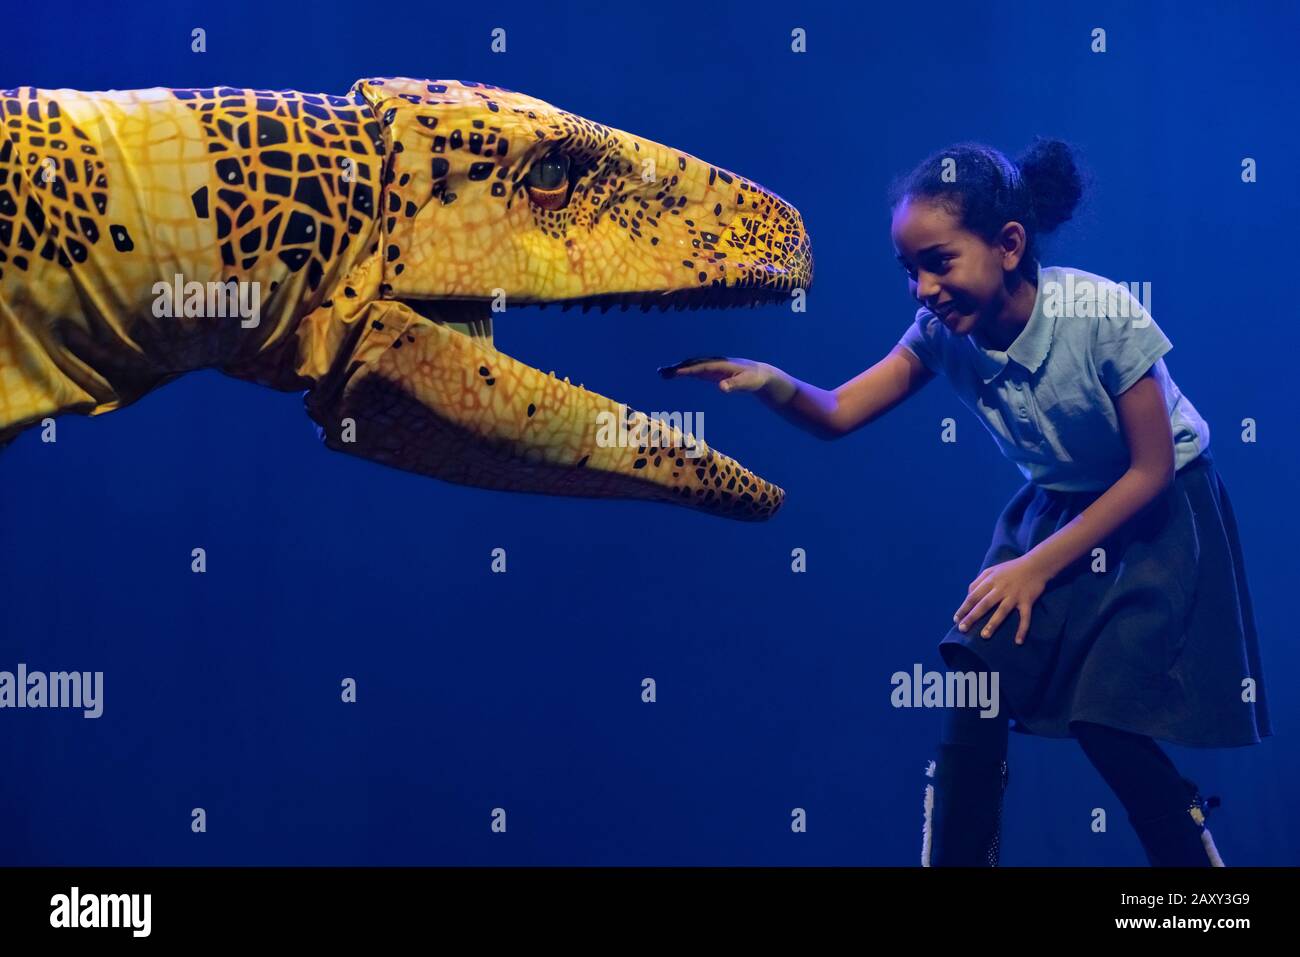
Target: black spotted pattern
x=297 y=174
x=53 y=186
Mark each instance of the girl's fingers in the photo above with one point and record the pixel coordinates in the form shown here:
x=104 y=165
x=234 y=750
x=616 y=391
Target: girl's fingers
x=981 y=608
x=1024 y=626
x=1004 y=609
x=972 y=597
x=696 y=366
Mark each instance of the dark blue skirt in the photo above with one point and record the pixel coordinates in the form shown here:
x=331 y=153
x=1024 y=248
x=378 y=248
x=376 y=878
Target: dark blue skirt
x=1162 y=642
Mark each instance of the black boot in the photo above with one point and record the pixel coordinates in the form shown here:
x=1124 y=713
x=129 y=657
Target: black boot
x=1180 y=838
x=963 y=809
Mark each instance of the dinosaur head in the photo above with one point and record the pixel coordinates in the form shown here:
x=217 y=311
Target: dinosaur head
x=493 y=199
x=493 y=193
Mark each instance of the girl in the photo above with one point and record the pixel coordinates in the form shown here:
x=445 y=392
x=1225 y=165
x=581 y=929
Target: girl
x=1112 y=601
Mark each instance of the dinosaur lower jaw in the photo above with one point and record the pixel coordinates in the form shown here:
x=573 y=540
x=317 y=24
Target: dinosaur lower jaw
x=481 y=417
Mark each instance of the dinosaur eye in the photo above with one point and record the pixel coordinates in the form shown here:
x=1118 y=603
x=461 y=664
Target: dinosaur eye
x=548 y=181
x=549 y=172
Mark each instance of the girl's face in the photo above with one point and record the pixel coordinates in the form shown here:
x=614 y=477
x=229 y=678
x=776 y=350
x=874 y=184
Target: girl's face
x=955 y=273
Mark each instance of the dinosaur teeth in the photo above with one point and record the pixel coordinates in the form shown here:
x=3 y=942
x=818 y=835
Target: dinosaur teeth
x=716 y=296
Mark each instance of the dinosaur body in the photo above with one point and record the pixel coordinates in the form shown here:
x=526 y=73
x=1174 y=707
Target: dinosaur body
x=374 y=232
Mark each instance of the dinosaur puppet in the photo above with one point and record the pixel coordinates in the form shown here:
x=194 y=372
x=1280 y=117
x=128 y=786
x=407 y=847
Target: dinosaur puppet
x=372 y=234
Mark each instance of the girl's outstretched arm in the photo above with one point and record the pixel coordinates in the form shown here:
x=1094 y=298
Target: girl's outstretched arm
x=826 y=414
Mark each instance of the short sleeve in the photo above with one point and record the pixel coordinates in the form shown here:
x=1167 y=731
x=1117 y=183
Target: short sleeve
x=922 y=339
x=1127 y=342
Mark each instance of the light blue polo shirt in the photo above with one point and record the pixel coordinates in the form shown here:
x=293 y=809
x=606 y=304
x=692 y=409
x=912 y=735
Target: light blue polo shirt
x=1048 y=400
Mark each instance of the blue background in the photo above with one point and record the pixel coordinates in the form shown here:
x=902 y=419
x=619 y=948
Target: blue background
x=523 y=690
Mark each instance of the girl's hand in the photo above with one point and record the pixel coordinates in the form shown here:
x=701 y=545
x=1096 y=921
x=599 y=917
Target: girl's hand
x=1010 y=585
x=732 y=375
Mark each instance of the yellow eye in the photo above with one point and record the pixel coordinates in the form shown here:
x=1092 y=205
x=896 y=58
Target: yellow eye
x=548 y=181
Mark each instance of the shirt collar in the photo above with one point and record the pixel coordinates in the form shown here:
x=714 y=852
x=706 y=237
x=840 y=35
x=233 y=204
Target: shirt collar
x=1029 y=349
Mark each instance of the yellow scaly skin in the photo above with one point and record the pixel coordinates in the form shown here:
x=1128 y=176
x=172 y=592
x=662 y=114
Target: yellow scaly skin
x=379 y=228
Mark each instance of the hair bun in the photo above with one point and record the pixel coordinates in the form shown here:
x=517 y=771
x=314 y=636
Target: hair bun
x=1053 y=180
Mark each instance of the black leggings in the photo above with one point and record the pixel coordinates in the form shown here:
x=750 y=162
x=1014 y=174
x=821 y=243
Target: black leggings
x=1132 y=765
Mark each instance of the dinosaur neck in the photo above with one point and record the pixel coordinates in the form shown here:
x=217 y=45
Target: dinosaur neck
x=193 y=228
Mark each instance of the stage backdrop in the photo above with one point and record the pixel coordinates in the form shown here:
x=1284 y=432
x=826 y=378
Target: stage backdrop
x=523 y=691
